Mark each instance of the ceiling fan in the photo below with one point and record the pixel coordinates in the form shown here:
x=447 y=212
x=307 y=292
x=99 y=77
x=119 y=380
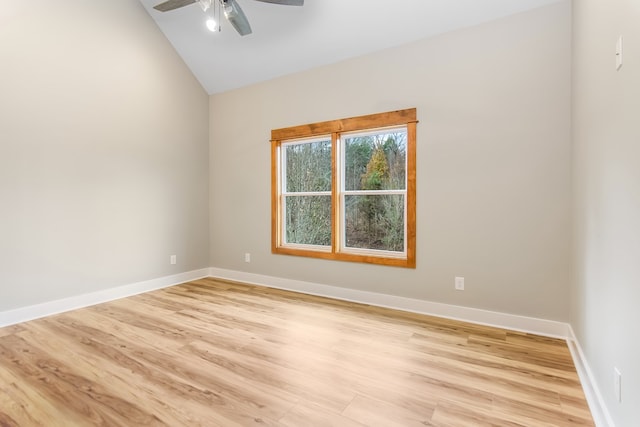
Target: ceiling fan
x=231 y=8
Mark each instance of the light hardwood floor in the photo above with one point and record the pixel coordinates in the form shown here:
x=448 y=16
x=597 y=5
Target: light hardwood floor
x=211 y=353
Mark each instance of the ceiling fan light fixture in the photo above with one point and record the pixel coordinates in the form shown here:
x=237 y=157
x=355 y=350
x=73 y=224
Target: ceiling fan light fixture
x=212 y=25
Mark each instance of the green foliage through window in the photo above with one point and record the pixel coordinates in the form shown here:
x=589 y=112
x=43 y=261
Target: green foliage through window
x=346 y=193
x=375 y=162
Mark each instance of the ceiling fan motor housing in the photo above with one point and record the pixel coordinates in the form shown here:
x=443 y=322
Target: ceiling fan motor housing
x=232 y=10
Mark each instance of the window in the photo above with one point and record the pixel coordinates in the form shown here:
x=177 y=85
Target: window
x=345 y=189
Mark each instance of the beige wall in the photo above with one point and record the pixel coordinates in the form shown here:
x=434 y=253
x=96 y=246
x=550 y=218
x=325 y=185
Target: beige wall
x=103 y=151
x=493 y=163
x=606 y=105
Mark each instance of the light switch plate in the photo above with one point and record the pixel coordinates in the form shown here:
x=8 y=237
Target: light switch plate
x=619 y=53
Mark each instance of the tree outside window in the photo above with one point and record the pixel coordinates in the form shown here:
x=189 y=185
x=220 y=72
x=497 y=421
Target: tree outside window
x=345 y=189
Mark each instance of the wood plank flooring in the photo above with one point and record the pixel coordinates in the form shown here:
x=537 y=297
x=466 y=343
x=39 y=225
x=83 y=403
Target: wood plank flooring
x=211 y=353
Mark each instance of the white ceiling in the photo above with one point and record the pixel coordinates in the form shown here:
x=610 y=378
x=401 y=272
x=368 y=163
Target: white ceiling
x=287 y=39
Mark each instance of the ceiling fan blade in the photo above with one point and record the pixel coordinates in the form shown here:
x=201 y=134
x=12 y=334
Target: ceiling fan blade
x=173 y=4
x=234 y=14
x=285 y=2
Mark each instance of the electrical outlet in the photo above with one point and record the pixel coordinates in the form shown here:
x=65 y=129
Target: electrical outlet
x=617 y=381
x=247 y=257
x=459 y=283
x=172 y=260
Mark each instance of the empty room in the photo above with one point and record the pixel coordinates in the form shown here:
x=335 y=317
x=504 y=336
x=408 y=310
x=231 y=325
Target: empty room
x=319 y=213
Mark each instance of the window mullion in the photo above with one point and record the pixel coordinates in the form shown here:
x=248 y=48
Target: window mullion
x=373 y=192
x=306 y=193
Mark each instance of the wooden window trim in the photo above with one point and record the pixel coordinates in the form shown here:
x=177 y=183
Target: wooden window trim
x=408 y=118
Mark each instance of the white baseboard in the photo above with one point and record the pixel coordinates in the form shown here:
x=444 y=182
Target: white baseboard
x=599 y=411
x=514 y=322
x=23 y=314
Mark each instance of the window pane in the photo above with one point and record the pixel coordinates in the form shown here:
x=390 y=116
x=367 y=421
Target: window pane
x=308 y=166
x=375 y=222
x=376 y=161
x=308 y=220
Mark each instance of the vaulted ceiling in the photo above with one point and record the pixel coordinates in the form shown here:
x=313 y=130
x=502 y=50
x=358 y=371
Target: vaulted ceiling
x=288 y=39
